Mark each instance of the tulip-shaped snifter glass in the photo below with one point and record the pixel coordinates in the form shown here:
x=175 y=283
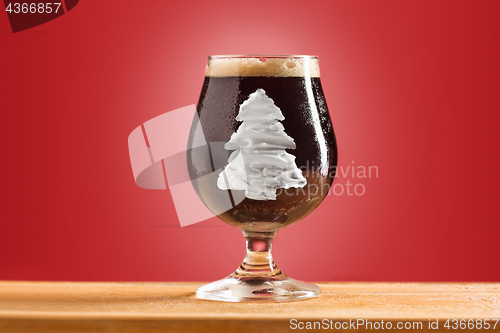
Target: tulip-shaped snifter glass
x=261 y=156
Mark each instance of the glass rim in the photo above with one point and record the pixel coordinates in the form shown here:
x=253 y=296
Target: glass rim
x=258 y=56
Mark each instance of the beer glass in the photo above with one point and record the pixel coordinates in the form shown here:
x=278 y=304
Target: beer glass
x=271 y=160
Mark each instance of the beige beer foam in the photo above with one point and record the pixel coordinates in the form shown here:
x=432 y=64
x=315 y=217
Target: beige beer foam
x=293 y=66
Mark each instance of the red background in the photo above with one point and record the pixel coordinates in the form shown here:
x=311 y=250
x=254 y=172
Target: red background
x=412 y=87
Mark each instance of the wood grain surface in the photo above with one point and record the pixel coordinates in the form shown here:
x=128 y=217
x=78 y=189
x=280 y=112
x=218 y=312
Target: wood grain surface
x=172 y=307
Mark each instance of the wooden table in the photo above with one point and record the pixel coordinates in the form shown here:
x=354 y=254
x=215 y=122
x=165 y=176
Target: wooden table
x=171 y=307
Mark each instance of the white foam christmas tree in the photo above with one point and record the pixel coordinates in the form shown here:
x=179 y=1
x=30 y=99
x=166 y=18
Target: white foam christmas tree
x=259 y=164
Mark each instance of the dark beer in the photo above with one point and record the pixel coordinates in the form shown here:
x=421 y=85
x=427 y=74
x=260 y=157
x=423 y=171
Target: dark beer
x=306 y=119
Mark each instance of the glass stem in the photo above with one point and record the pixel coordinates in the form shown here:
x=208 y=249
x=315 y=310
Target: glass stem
x=258 y=262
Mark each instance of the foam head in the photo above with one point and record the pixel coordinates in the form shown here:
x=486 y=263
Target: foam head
x=280 y=66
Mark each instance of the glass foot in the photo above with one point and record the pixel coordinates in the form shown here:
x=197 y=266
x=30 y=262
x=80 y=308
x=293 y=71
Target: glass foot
x=258 y=278
x=233 y=289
